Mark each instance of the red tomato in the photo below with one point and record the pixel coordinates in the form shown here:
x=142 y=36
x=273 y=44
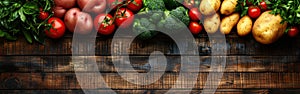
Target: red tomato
x=43 y=15
x=114 y=3
x=58 y=28
x=195 y=14
x=103 y=23
x=254 y=12
x=189 y=3
x=124 y=18
x=293 y=32
x=135 y=5
x=263 y=5
x=195 y=28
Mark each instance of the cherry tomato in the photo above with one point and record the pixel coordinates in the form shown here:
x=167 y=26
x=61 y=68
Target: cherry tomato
x=43 y=15
x=263 y=5
x=114 y=3
x=195 y=28
x=103 y=23
x=195 y=14
x=254 y=12
x=58 y=28
x=293 y=32
x=189 y=3
x=124 y=17
x=135 y=5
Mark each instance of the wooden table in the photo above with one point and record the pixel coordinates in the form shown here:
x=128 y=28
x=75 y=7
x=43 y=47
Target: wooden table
x=251 y=67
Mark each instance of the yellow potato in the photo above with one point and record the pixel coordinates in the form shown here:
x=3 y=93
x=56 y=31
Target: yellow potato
x=209 y=7
x=228 y=6
x=211 y=24
x=229 y=22
x=244 y=26
x=267 y=28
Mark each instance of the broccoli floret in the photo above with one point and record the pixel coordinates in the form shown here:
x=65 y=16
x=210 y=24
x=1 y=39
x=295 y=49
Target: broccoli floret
x=182 y=14
x=144 y=28
x=170 y=23
x=156 y=16
x=154 y=4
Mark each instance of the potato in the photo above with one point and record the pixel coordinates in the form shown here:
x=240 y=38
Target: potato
x=92 y=6
x=83 y=21
x=244 y=26
x=211 y=23
x=229 y=22
x=59 y=12
x=228 y=6
x=70 y=18
x=66 y=4
x=267 y=28
x=209 y=7
x=61 y=7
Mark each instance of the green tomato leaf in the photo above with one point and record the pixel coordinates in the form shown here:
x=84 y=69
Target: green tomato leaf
x=27 y=36
x=13 y=16
x=7 y=35
x=39 y=38
x=22 y=16
x=2 y=33
x=30 y=8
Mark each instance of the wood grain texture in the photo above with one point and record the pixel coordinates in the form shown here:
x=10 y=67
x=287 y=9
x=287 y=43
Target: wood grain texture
x=219 y=91
x=236 y=46
x=61 y=64
x=251 y=68
x=62 y=81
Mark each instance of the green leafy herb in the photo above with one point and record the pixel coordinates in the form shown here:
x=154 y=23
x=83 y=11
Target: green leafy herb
x=20 y=17
x=289 y=10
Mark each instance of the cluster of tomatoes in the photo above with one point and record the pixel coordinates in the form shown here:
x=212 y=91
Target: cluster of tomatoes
x=255 y=11
x=90 y=14
x=195 y=25
x=121 y=17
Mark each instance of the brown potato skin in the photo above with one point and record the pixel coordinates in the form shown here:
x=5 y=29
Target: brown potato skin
x=209 y=7
x=267 y=28
x=212 y=23
x=244 y=26
x=229 y=22
x=228 y=7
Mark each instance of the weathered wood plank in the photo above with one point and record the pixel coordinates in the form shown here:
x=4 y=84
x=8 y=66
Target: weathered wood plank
x=219 y=91
x=68 y=81
x=48 y=64
x=236 y=46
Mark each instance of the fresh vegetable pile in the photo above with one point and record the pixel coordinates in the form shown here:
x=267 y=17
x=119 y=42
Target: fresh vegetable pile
x=267 y=20
x=270 y=18
x=26 y=17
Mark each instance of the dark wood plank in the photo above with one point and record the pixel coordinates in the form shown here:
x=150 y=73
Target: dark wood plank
x=219 y=91
x=68 y=81
x=49 y=64
x=236 y=46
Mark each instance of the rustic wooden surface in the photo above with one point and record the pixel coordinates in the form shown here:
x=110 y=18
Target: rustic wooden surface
x=251 y=68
